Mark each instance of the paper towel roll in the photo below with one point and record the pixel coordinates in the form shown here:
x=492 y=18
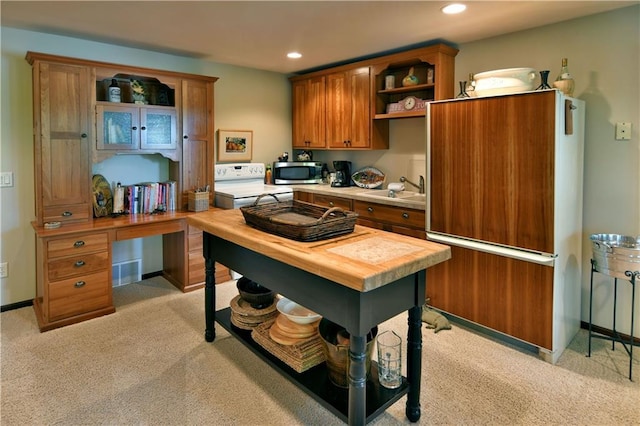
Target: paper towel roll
x=396 y=186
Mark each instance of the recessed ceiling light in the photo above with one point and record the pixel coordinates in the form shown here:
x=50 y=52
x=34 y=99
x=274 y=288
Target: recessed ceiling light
x=294 y=55
x=454 y=8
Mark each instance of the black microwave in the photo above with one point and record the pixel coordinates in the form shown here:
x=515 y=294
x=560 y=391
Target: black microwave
x=292 y=172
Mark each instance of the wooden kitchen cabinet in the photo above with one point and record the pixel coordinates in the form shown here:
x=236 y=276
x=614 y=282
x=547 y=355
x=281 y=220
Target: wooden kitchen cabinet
x=69 y=104
x=396 y=219
x=348 y=109
x=356 y=100
x=309 y=103
x=62 y=134
x=74 y=281
x=198 y=148
x=126 y=127
x=436 y=61
x=332 y=201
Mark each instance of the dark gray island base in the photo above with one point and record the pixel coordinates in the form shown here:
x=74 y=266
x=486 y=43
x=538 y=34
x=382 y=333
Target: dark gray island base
x=301 y=271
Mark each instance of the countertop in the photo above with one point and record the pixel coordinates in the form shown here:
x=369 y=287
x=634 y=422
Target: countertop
x=417 y=201
x=363 y=260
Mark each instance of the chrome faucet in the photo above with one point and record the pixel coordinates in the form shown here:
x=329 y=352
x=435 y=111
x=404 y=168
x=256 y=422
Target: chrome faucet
x=420 y=186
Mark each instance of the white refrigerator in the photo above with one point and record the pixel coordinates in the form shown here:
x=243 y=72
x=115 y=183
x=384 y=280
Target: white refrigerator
x=505 y=178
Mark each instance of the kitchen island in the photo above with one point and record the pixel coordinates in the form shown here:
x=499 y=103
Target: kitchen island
x=358 y=280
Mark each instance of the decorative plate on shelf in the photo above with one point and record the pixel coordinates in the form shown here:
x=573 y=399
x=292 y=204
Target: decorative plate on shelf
x=368 y=177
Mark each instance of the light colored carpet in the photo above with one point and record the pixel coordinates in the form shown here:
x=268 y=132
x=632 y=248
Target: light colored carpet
x=148 y=364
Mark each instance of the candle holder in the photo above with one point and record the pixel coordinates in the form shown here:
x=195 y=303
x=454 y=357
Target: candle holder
x=544 y=77
x=463 y=90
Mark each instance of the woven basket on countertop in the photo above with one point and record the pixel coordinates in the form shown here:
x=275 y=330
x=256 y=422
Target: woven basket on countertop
x=299 y=220
x=198 y=201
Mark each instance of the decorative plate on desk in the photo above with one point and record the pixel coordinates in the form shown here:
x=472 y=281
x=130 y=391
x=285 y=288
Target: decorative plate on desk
x=368 y=177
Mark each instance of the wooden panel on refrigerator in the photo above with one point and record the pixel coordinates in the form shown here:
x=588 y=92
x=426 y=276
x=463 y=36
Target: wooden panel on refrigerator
x=492 y=169
x=508 y=295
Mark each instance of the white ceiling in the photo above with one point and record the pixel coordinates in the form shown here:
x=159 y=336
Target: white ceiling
x=258 y=34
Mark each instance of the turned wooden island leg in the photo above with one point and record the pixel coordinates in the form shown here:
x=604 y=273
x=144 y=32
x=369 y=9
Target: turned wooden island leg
x=414 y=363
x=357 y=380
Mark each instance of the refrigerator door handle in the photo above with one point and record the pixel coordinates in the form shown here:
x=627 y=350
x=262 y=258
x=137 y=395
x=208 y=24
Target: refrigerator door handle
x=527 y=256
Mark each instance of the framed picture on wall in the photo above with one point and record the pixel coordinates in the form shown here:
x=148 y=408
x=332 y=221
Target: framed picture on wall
x=235 y=145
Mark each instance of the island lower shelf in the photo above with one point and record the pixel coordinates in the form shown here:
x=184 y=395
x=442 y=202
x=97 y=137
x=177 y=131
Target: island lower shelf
x=315 y=381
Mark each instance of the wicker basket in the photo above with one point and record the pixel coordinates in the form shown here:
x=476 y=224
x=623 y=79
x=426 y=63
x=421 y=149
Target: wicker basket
x=198 y=201
x=299 y=220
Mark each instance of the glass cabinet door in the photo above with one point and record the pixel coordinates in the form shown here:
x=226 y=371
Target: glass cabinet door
x=118 y=127
x=157 y=128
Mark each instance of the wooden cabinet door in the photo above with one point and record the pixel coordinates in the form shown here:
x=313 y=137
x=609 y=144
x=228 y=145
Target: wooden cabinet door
x=197 y=136
x=508 y=295
x=63 y=132
x=309 y=113
x=348 y=109
x=118 y=127
x=157 y=128
x=492 y=169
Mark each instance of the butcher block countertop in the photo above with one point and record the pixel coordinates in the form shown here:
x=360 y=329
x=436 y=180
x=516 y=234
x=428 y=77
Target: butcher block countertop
x=363 y=260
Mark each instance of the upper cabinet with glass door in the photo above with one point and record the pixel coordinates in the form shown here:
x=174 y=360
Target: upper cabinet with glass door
x=143 y=121
x=135 y=128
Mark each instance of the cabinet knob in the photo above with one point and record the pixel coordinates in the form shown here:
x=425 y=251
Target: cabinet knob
x=84 y=135
x=370 y=209
x=143 y=128
x=185 y=137
x=134 y=128
x=78 y=243
x=79 y=284
x=79 y=263
x=330 y=203
x=67 y=214
x=405 y=215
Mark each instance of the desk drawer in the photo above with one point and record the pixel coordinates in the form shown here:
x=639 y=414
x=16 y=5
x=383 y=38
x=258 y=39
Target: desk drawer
x=78 y=265
x=68 y=213
x=77 y=245
x=78 y=295
x=147 y=230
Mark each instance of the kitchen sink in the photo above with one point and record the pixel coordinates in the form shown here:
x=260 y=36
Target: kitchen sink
x=401 y=195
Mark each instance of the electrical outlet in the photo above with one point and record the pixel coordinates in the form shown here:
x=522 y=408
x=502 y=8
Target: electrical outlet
x=4 y=270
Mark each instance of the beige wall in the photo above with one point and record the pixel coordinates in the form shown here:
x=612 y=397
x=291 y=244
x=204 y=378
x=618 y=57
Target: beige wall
x=603 y=52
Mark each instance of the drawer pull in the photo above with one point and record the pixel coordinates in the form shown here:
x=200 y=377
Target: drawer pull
x=67 y=214
x=405 y=215
x=370 y=209
x=79 y=263
x=79 y=284
x=330 y=203
x=78 y=243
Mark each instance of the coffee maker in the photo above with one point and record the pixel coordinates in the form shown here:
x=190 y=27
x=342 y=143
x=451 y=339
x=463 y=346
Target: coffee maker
x=343 y=173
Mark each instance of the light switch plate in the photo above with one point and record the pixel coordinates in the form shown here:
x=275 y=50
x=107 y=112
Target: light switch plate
x=6 y=179
x=623 y=131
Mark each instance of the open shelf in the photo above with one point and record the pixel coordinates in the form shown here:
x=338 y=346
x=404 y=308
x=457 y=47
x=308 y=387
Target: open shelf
x=315 y=381
x=408 y=114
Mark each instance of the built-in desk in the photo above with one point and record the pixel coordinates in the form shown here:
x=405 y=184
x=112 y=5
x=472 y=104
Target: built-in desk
x=358 y=280
x=74 y=261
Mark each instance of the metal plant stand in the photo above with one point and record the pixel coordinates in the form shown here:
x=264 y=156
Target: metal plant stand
x=615 y=337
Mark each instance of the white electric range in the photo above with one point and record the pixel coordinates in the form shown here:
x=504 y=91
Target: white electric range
x=240 y=184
